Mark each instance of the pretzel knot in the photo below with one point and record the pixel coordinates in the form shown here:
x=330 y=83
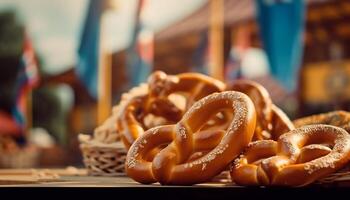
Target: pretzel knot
x=271 y=121
x=131 y=120
x=173 y=164
x=298 y=158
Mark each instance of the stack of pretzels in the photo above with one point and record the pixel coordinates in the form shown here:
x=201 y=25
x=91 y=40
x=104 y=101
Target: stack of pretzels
x=185 y=129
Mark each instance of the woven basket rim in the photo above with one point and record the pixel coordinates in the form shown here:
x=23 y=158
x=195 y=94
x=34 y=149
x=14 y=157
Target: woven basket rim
x=90 y=142
x=102 y=145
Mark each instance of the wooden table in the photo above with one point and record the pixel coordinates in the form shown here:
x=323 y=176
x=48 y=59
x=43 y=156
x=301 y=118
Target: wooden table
x=76 y=178
x=125 y=186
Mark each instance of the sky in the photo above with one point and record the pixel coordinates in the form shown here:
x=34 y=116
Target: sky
x=55 y=25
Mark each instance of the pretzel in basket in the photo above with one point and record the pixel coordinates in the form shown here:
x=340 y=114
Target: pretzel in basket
x=131 y=120
x=107 y=132
x=298 y=158
x=175 y=163
x=271 y=121
x=336 y=118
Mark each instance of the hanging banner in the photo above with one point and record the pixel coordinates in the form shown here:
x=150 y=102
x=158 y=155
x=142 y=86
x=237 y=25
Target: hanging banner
x=87 y=67
x=281 y=24
x=141 y=50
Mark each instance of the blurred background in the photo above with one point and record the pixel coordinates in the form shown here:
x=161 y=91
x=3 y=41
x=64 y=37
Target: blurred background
x=65 y=63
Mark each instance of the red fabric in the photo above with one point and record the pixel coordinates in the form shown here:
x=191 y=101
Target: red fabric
x=27 y=81
x=8 y=126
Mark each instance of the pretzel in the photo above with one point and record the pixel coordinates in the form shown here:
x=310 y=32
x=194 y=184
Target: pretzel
x=175 y=163
x=107 y=132
x=338 y=118
x=298 y=158
x=271 y=121
x=131 y=118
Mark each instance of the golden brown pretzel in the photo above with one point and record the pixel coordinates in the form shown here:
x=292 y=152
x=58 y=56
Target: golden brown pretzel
x=194 y=86
x=298 y=158
x=271 y=121
x=173 y=164
x=338 y=118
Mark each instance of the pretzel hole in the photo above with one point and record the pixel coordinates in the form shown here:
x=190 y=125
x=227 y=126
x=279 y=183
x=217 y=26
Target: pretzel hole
x=151 y=120
x=260 y=151
x=154 y=151
x=178 y=100
x=315 y=147
x=218 y=121
x=218 y=117
x=312 y=152
x=266 y=134
x=324 y=140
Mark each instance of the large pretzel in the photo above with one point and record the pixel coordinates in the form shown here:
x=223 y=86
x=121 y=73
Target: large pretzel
x=298 y=158
x=194 y=86
x=271 y=121
x=173 y=164
x=336 y=118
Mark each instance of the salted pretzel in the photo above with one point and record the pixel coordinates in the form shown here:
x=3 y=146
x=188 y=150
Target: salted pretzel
x=298 y=158
x=156 y=102
x=271 y=121
x=175 y=163
x=338 y=118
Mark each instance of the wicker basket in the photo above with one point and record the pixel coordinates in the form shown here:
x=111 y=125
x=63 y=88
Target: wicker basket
x=342 y=175
x=27 y=157
x=336 y=177
x=103 y=159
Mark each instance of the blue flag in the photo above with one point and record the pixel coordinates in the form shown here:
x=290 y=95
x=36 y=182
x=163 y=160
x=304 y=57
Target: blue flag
x=27 y=79
x=87 y=68
x=281 y=24
x=139 y=53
